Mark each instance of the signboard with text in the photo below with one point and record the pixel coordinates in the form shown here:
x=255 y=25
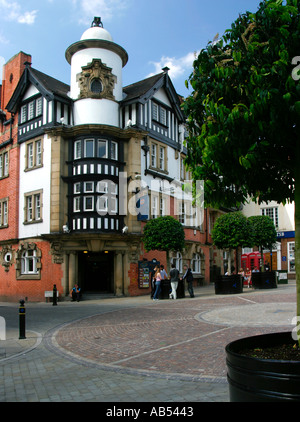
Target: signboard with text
x=145 y=270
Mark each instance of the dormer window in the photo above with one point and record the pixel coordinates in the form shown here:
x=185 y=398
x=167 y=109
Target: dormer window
x=159 y=114
x=96 y=86
x=31 y=110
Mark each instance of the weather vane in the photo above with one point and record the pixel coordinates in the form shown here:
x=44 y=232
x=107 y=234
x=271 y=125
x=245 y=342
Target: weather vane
x=97 y=22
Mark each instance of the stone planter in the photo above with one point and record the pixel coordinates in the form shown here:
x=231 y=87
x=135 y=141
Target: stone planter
x=262 y=380
x=228 y=284
x=266 y=280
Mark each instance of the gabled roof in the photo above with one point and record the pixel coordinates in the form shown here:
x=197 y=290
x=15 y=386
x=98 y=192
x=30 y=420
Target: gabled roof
x=140 y=89
x=49 y=87
x=143 y=90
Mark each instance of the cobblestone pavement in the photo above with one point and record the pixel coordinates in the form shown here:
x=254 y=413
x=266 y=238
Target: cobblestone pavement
x=134 y=349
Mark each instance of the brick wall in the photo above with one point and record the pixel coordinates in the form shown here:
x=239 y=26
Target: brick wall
x=12 y=72
x=12 y=289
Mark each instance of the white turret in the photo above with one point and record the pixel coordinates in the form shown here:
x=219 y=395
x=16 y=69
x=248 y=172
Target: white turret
x=96 y=76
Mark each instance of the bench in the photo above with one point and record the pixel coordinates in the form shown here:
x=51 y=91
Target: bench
x=49 y=294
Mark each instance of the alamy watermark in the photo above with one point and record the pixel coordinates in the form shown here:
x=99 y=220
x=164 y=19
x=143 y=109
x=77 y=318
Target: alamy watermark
x=296 y=329
x=129 y=196
x=296 y=70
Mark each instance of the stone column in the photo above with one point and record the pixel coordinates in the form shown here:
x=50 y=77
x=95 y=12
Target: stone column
x=65 y=283
x=118 y=274
x=72 y=270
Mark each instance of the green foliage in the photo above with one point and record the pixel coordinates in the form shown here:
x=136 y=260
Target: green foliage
x=263 y=231
x=164 y=234
x=244 y=112
x=231 y=230
x=243 y=117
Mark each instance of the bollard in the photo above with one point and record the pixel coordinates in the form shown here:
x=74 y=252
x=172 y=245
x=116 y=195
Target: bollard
x=54 y=295
x=22 y=314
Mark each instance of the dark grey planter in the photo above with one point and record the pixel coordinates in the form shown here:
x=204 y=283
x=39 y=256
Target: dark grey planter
x=261 y=380
x=265 y=280
x=228 y=284
x=166 y=289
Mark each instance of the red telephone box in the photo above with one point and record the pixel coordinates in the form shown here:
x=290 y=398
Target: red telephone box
x=244 y=261
x=251 y=260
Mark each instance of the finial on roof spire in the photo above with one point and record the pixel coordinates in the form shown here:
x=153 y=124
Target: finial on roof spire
x=97 y=22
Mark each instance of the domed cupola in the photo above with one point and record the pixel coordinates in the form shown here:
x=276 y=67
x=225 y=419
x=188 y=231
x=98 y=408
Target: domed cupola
x=96 y=76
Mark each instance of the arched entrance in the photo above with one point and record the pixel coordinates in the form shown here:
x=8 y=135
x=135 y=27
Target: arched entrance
x=96 y=272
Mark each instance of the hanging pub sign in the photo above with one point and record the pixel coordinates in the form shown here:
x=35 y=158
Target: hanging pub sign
x=145 y=271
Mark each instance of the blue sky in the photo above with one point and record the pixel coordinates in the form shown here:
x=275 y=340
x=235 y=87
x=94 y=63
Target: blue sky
x=155 y=33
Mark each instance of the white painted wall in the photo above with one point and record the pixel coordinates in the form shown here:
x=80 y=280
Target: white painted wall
x=33 y=180
x=93 y=111
x=286 y=218
x=31 y=91
x=162 y=96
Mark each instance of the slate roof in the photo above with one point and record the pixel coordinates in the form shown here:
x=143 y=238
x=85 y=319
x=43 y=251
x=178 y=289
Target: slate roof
x=51 y=84
x=143 y=90
x=48 y=86
x=138 y=89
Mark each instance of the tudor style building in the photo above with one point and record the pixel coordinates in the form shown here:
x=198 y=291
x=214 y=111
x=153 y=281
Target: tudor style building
x=82 y=168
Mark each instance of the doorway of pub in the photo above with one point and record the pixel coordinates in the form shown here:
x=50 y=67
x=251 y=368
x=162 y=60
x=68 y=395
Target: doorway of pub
x=96 y=272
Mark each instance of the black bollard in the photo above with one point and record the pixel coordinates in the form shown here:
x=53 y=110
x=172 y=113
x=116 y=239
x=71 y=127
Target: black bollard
x=22 y=314
x=54 y=295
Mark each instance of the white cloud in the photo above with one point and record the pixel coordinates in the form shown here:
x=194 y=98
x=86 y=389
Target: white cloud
x=178 y=66
x=106 y=9
x=28 y=17
x=12 y=11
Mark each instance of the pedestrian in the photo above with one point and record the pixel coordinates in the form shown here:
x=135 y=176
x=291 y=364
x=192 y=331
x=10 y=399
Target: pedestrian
x=242 y=274
x=174 y=278
x=76 y=293
x=152 y=279
x=188 y=276
x=248 y=277
x=163 y=273
x=157 y=277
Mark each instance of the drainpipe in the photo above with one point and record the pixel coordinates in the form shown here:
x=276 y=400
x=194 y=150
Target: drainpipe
x=11 y=124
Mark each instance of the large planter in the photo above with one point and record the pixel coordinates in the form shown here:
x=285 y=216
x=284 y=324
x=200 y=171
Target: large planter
x=166 y=289
x=266 y=280
x=180 y=290
x=261 y=380
x=228 y=284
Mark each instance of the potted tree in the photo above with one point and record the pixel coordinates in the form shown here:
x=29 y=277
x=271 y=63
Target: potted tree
x=243 y=122
x=164 y=234
x=264 y=235
x=230 y=231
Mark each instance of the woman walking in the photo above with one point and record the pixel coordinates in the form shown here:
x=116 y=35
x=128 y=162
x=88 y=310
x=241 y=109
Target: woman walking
x=157 y=277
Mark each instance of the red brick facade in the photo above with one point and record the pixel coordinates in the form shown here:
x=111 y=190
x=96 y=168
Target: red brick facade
x=14 y=289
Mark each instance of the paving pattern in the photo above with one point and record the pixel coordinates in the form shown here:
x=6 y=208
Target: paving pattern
x=134 y=349
x=183 y=339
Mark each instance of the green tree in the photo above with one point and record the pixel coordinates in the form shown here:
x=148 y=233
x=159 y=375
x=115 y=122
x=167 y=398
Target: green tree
x=164 y=234
x=231 y=231
x=263 y=233
x=244 y=112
